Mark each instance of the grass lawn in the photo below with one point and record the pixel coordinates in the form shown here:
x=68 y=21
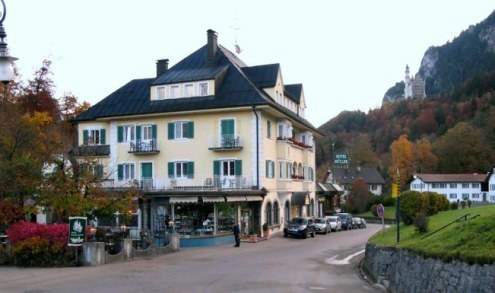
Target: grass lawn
x=472 y=241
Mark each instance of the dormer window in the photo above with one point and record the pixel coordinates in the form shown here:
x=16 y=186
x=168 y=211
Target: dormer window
x=174 y=91
x=188 y=90
x=203 y=89
x=160 y=93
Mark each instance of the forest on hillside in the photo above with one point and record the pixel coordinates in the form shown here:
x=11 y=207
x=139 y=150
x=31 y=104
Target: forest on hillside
x=449 y=133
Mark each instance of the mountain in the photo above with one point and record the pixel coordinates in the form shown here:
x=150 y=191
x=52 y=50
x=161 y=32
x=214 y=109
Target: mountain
x=446 y=67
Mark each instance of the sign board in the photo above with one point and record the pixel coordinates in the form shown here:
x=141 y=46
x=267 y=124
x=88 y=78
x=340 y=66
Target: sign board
x=341 y=159
x=77 y=230
x=380 y=210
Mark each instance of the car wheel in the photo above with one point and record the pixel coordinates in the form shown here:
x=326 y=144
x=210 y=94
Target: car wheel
x=313 y=234
x=305 y=235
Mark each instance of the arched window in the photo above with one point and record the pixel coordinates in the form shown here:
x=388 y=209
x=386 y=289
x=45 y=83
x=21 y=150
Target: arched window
x=268 y=214
x=276 y=213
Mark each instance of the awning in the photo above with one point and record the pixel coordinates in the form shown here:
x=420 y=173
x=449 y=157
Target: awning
x=299 y=198
x=254 y=198
x=183 y=199
x=213 y=199
x=235 y=198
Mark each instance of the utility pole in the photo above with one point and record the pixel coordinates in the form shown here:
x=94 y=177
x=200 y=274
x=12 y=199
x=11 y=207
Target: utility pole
x=397 y=209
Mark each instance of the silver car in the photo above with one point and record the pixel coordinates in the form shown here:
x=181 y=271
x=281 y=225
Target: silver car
x=322 y=225
x=335 y=223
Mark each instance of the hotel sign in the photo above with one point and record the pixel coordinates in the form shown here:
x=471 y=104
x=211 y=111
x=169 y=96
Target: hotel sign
x=341 y=159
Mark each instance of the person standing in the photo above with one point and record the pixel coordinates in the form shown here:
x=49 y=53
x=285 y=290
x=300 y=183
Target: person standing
x=237 y=235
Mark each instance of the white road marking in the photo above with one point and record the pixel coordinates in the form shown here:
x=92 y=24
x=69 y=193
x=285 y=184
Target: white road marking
x=340 y=262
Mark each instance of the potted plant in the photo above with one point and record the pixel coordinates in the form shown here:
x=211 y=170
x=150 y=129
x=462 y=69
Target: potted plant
x=253 y=237
x=266 y=232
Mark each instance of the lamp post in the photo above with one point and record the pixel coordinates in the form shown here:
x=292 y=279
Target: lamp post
x=6 y=61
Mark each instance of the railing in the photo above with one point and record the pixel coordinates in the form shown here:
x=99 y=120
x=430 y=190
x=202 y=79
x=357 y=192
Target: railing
x=226 y=142
x=460 y=219
x=144 y=147
x=188 y=184
x=91 y=150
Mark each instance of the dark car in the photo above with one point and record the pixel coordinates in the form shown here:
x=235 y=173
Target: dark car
x=301 y=227
x=346 y=220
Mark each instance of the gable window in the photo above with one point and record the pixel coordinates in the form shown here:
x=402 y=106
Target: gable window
x=94 y=137
x=125 y=133
x=125 y=172
x=160 y=93
x=181 y=130
x=188 y=90
x=203 y=89
x=174 y=91
x=181 y=170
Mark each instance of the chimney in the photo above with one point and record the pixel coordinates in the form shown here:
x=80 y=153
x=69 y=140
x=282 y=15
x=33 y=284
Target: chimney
x=212 y=44
x=161 y=66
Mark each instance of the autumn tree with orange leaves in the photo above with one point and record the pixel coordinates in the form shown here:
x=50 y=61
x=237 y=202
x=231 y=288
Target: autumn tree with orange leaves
x=402 y=159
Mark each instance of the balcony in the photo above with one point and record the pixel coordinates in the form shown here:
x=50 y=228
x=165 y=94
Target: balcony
x=91 y=150
x=147 y=147
x=295 y=143
x=198 y=183
x=226 y=143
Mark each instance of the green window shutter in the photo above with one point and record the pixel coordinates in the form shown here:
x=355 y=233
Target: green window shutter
x=85 y=137
x=190 y=129
x=120 y=172
x=267 y=175
x=190 y=170
x=138 y=132
x=99 y=172
x=120 y=134
x=238 y=167
x=171 y=131
x=102 y=136
x=216 y=168
x=153 y=131
x=171 y=170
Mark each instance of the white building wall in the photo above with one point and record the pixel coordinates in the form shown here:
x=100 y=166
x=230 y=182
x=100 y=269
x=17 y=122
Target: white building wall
x=453 y=191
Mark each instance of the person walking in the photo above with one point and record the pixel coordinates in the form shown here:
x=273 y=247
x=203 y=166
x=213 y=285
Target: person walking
x=237 y=235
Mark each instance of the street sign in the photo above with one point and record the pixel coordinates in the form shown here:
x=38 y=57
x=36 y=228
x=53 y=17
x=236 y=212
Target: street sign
x=77 y=230
x=380 y=211
x=395 y=190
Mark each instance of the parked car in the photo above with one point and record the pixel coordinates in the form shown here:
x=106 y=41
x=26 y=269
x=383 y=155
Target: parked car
x=355 y=223
x=322 y=225
x=335 y=223
x=300 y=226
x=361 y=223
x=346 y=219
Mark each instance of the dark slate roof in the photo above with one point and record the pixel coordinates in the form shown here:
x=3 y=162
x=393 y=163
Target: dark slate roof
x=234 y=88
x=452 y=178
x=294 y=91
x=263 y=75
x=369 y=175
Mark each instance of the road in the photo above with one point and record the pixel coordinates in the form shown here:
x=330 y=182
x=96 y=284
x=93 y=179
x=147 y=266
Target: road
x=326 y=263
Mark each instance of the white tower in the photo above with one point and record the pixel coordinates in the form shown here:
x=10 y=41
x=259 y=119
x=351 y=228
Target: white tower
x=407 y=84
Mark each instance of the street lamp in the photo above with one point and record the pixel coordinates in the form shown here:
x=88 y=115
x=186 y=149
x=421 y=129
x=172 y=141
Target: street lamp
x=6 y=61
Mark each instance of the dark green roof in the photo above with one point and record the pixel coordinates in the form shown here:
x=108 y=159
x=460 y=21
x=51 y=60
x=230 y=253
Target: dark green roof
x=236 y=85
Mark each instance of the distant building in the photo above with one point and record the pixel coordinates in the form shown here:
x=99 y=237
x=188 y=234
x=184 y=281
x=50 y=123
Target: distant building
x=346 y=177
x=414 y=87
x=454 y=186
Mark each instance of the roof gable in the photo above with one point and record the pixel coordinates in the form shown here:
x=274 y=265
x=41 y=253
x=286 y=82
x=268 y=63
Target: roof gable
x=447 y=178
x=350 y=175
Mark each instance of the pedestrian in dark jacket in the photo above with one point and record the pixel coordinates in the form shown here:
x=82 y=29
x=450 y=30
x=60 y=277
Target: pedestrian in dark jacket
x=237 y=235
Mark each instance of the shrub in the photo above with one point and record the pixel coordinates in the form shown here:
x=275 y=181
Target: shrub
x=385 y=199
x=412 y=202
x=463 y=204
x=421 y=222
x=373 y=210
x=469 y=202
x=443 y=203
x=4 y=256
x=454 y=205
x=34 y=244
x=432 y=203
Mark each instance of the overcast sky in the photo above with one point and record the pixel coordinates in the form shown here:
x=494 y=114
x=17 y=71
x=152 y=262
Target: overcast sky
x=345 y=53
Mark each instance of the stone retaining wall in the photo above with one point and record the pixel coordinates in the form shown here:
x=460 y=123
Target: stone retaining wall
x=402 y=271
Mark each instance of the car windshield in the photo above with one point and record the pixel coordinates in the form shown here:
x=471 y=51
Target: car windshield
x=333 y=220
x=343 y=216
x=319 y=220
x=298 y=221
